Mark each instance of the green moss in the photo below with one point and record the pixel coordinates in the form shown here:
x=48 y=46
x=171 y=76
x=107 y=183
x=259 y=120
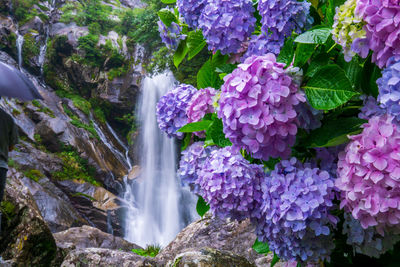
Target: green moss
x=24 y=11
x=78 y=123
x=36 y=103
x=75 y=168
x=16 y=112
x=8 y=209
x=12 y=163
x=37 y=138
x=149 y=251
x=34 y=175
x=79 y=194
x=30 y=48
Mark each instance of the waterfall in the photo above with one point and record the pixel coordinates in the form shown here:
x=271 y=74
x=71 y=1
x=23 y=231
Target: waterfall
x=43 y=50
x=20 y=42
x=126 y=148
x=160 y=207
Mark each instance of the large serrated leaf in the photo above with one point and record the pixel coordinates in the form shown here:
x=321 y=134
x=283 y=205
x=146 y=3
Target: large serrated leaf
x=287 y=52
x=334 y=132
x=168 y=1
x=207 y=77
x=329 y=88
x=260 y=247
x=196 y=126
x=195 y=43
x=167 y=17
x=180 y=53
x=216 y=134
x=303 y=54
x=314 y=36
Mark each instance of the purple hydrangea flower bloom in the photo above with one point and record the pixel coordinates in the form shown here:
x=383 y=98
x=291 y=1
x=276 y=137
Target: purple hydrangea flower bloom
x=383 y=28
x=369 y=175
x=389 y=89
x=257 y=108
x=279 y=19
x=171 y=35
x=296 y=221
x=191 y=10
x=226 y=24
x=263 y=44
x=191 y=162
x=171 y=109
x=327 y=157
x=370 y=108
x=367 y=241
x=231 y=185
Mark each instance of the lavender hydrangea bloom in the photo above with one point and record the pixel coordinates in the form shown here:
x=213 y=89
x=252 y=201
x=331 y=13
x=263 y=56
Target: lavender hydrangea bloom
x=367 y=241
x=201 y=104
x=280 y=18
x=226 y=24
x=231 y=185
x=263 y=44
x=296 y=221
x=171 y=35
x=171 y=109
x=383 y=28
x=191 y=162
x=327 y=158
x=370 y=108
x=191 y=10
x=389 y=89
x=369 y=175
x=257 y=108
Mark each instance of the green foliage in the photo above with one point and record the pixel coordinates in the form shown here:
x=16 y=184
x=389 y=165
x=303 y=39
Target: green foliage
x=260 y=247
x=8 y=210
x=196 y=126
x=202 y=207
x=79 y=194
x=149 y=251
x=30 y=48
x=207 y=75
x=314 y=36
x=24 y=11
x=79 y=124
x=75 y=168
x=34 y=175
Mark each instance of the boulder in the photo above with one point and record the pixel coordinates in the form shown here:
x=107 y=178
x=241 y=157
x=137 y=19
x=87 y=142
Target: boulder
x=100 y=257
x=236 y=237
x=25 y=238
x=89 y=237
x=208 y=257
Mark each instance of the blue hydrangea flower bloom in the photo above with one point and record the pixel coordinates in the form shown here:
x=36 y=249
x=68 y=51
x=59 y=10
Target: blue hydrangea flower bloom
x=367 y=241
x=263 y=44
x=171 y=109
x=231 y=185
x=308 y=117
x=389 y=89
x=370 y=108
x=191 y=162
x=227 y=24
x=279 y=18
x=191 y=10
x=296 y=221
x=171 y=35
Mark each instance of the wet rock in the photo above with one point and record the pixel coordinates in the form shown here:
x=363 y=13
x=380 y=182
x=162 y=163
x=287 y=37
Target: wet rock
x=25 y=239
x=208 y=257
x=89 y=237
x=35 y=24
x=7 y=35
x=100 y=257
x=72 y=31
x=233 y=236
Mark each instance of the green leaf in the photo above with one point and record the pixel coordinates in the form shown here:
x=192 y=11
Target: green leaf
x=206 y=77
x=303 y=54
x=216 y=134
x=186 y=141
x=287 y=52
x=196 y=126
x=334 y=132
x=202 y=207
x=260 y=247
x=274 y=260
x=168 y=1
x=329 y=88
x=316 y=63
x=195 y=43
x=180 y=53
x=167 y=17
x=314 y=36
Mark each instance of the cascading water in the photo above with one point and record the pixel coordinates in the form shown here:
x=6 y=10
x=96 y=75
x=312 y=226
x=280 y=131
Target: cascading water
x=160 y=207
x=20 y=42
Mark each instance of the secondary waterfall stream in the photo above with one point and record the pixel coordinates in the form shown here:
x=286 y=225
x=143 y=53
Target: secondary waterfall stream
x=160 y=207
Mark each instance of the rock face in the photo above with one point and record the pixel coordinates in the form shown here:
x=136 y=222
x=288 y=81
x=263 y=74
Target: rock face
x=208 y=257
x=213 y=233
x=89 y=237
x=98 y=257
x=25 y=238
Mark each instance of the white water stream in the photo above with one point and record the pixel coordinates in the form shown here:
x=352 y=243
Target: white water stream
x=20 y=42
x=160 y=207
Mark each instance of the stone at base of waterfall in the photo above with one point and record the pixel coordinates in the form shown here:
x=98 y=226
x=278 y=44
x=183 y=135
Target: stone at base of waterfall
x=100 y=257
x=89 y=237
x=234 y=236
x=134 y=173
x=208 y=257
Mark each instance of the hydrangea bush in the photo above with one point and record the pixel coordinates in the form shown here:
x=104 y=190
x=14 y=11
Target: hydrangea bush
x=170 y=35
x=309 y=118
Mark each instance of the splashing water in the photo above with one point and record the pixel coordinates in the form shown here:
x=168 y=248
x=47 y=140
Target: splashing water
x=159 y=206
x=20 y=42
